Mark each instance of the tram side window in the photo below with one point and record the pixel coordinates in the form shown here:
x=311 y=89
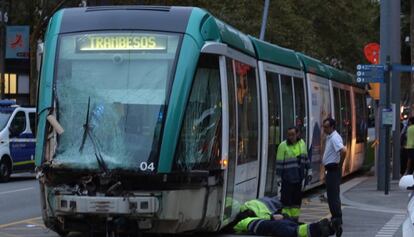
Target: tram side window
x=273 y=97
x=300 y=106
x=361 y=119
x=200 y=139
x=341 y=114
x=346 y=116
x=338 y=108
x=248 y=114
x=287 y=102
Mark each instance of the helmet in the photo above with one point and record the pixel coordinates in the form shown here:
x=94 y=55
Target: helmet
x=407 y=182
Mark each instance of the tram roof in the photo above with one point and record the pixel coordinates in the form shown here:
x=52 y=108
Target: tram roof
x=194 y=21
x=314 y=66
x=151 y=18
x=340 y=76
x=275 y=54
x=213 y=29
x=191 y=20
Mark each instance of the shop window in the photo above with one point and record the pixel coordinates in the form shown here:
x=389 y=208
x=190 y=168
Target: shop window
x=10 y=83
x=23 y=84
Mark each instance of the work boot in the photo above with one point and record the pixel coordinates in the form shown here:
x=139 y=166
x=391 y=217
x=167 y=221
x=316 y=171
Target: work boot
x=337 y=226
x=338 y=230
x=325 y=227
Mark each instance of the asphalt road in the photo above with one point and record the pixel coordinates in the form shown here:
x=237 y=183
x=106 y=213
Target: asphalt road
x=19 y=198
x=20 y=214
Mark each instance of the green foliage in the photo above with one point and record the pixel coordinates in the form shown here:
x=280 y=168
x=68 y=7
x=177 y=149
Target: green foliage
x=324 y=29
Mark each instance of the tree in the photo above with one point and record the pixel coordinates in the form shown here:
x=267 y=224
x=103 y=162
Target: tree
x=323 y=29
x=43 y=12
x=411 y=100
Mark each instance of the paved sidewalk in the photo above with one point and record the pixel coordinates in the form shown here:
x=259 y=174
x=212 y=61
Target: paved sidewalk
x=362 y=191
x=368 y=212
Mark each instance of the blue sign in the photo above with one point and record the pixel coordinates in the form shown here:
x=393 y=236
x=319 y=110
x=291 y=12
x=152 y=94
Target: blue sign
x=369 y=80
x=402 y=68
x=371 y=73
x=17 y=45
x=370 y=67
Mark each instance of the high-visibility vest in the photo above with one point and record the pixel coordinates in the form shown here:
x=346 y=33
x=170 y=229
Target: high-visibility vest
x=291 y=161
x=263 y=209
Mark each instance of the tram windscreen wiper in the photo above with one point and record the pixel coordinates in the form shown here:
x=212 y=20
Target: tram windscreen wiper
x=86 y=126
x=87 y=133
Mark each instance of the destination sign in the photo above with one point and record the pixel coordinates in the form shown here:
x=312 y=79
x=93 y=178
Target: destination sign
x=121 y=42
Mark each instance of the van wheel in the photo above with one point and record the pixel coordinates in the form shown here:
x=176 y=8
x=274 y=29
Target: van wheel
x=5 y=171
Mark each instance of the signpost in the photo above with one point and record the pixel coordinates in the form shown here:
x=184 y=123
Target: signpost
x=17 y=44
x=371 y=73
x=380 y=73
x=375 y=73
x=387 y=116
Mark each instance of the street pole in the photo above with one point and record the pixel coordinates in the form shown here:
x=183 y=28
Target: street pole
x=3 y=47
x=387 y=129
x=384 y=97
x=396 y=84
x=264 y=19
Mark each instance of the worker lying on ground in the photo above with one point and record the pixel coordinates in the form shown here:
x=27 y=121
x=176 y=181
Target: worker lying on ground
x=261 y=217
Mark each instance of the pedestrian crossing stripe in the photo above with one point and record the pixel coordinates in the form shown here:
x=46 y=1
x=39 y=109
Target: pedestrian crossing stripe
x=391 y=227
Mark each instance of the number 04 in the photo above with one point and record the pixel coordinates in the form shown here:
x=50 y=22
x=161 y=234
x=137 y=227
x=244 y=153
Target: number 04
x=145 y=166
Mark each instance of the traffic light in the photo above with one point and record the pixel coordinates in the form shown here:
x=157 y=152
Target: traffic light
x=374 y=92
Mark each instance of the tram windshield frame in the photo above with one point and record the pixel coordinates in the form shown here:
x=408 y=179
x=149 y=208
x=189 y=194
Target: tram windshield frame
x=111 y=91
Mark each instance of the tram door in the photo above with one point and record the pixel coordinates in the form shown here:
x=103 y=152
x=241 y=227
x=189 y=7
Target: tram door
x=274 y=128
x=244 y=134
x=360 y=121
x=285 y=100
x=343 y=117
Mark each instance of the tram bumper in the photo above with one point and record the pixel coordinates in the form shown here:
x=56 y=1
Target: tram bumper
x=168 y=212
x=139 y=206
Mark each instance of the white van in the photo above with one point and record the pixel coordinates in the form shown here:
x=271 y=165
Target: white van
x=17 y=139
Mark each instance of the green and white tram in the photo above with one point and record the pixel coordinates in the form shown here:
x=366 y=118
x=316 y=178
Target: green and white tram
x=171 y=118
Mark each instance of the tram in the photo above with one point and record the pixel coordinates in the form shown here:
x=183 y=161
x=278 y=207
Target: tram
x=162 y=119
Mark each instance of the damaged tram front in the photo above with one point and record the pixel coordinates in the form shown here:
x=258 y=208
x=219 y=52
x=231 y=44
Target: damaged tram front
x=125 y=144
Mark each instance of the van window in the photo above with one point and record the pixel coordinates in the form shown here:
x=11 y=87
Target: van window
x=18 y=125
x=32 y=118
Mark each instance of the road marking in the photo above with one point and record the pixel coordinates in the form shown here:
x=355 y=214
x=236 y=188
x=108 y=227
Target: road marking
x=9 y=235
x=15 y=191
x=391 y=227
x=19 y=222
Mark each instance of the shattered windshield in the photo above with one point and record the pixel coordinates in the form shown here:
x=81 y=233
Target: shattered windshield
x=111 y=91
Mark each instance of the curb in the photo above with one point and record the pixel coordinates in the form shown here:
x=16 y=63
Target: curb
x=361 y=206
